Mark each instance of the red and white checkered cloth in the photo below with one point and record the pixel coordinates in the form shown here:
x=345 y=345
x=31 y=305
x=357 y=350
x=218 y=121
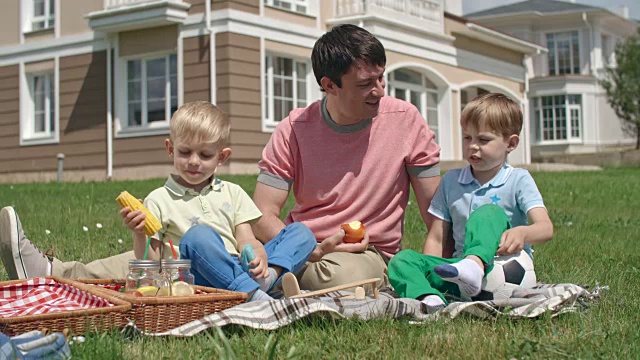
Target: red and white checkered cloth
x=42 y=296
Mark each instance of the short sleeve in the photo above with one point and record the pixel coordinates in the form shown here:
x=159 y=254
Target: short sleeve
x=245 y=209
x=439 y=207
x=527 y=193
x=154 y=209
x=423 y=159
x=277 y=163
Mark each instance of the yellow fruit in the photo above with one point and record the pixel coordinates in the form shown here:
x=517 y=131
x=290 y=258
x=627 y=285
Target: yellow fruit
x=148 y=290
x=163 y=292
x=180 y=288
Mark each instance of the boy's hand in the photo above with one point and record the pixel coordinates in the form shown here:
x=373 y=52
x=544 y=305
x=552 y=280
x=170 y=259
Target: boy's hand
x=512 y=241
x=260 y=265
x=134 y=220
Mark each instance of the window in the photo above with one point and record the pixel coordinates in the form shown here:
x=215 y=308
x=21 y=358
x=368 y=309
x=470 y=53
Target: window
x=152 y=91
x=559 y=117
x=564 y=53
x=417 y=89
x=42 y=14
x=300 y=6
x=38 y=114
x=285 y=87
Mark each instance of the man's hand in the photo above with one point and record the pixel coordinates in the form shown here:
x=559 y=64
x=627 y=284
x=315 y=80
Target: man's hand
x=512 y=241
x=334 y=243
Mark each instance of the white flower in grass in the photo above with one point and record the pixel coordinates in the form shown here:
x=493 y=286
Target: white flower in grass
x=409 y=203
x=47 y=231
x=85 y=228
x=570 y=223
x=11 y=187
x=119 y=241
x=99 y=226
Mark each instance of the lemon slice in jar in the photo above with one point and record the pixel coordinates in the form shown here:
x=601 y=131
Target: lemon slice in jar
x=148 y=290
x=181 y=288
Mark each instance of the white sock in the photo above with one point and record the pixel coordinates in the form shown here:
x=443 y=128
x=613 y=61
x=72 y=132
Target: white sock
x=466 y=273
x=433 y=301
x=267 y=283
x=260 y=295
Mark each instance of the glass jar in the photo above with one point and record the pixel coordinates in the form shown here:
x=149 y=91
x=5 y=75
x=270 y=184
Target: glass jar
x=144 y=274
x=177 y=270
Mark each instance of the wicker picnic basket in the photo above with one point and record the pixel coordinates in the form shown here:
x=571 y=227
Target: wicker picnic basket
x=162 y=313
x=76 y=321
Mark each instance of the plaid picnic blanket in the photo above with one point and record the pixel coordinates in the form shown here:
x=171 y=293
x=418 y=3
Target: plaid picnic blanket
x=41 y=296
x=555 y=299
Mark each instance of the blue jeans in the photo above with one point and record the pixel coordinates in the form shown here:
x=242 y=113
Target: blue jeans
x=213 y=266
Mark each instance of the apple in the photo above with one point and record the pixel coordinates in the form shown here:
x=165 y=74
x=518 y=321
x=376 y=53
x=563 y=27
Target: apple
x=354 y=232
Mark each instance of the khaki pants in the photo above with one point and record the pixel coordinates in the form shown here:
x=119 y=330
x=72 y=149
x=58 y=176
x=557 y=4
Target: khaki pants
x=114 y=267
x=341 y=268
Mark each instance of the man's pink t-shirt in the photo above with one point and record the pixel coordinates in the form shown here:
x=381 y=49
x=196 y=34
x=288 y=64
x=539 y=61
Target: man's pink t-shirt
x=353 y=172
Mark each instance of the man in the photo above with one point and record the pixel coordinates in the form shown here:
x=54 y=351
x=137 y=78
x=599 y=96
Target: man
x=350 y=156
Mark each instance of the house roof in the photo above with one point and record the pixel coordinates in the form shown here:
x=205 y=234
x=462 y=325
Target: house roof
x=534 y=6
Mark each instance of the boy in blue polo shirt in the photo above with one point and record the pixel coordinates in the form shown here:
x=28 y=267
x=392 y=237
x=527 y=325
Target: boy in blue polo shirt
x=488 y=207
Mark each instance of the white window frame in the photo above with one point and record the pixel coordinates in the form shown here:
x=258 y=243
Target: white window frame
x=564 y=35
x=269 y=122
x=122 y=93
x=569 y=127
x=423 y=90
x=49 y=18
x=28 y=133
x=293 y=5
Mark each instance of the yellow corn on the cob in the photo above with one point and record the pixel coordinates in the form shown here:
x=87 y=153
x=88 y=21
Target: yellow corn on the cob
x=152 y=225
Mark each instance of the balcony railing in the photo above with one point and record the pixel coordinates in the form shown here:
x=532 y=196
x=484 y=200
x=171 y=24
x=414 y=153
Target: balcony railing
x=420 y=9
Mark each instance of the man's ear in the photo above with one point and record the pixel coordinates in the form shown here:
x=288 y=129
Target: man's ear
x=224 y=155
x=513 y=142
x=329 y=86
x=169 y=145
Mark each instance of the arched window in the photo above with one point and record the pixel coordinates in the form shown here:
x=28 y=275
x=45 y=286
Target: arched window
x=417 y=89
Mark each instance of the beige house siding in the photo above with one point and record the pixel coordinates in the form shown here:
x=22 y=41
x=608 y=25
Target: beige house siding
x=196 y=69
x=83 y=109
x=250 y=6
x=10 y=20
x=72 y=14
x=9 y=118
x=140 y=42
x=238 y=93
x=39 y=36
x=455 y=27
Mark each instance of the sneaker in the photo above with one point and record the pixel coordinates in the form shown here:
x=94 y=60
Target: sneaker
x=20 y=257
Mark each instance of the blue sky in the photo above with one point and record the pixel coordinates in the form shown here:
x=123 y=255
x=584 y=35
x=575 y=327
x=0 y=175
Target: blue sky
x=469 y=6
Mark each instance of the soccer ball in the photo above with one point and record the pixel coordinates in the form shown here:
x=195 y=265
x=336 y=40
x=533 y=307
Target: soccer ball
x=509 y=272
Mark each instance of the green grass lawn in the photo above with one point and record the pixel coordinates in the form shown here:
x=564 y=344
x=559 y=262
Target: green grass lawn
x=597 y=241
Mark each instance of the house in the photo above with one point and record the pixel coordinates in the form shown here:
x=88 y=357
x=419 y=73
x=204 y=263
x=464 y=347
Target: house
x=97 y=80
x=569 y=112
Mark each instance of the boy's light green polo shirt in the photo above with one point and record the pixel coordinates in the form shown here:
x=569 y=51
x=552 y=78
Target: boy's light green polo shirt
x=221 y=205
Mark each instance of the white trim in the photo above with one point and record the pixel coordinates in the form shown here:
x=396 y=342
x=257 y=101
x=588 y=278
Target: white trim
x=507 y=40
x=293 y=4
x=263 y=88
x=581 y=47
x=109 y=113
x=179 y=74
x=537 y=104
x=56 y=16
x=42 y=50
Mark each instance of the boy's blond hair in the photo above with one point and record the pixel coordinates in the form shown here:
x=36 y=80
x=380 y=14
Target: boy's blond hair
x=202 y=122
x=495 y=112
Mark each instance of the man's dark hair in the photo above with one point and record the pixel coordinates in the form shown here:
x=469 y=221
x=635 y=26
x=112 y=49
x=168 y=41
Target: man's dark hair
x=341 y=47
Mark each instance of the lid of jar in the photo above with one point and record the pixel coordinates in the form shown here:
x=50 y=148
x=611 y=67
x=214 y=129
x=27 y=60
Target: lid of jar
x=144 y=264
x=172 y=263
